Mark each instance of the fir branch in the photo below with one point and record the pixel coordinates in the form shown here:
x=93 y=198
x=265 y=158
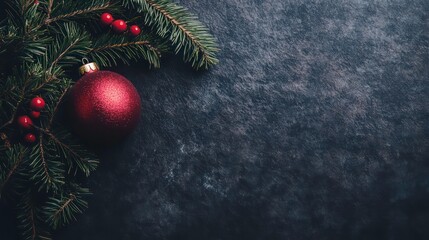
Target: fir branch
x=108 y=50
x=14 y=88
x=64 y=52
x=15 y=96
x=15 y=155
x=49 y=10
x=43 y=161
x=33 y=223
x=10 y=121
x=29 y=222
x=13 y=116
x=50 y=78
x=6 y=140
x=26 y=39
x=69 y=45
x=46 y=170
x=62 y=208
x=127 y=44
x=76 y=157
x=55 y=110
x=89 y=10
x=185 y=32
x=29 y=217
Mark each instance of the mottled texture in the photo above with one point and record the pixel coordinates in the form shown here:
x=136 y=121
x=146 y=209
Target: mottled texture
x=104 y=107
x=313 y=126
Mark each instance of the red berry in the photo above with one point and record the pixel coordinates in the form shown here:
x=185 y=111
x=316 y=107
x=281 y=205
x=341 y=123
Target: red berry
x=135 y=30
x=106 y=19
x=119 y=26
x=30 y=138
x=34 y=114
x=37 y=103
x=25 y=122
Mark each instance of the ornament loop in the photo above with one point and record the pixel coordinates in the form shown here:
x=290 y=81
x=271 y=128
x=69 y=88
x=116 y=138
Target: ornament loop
x=85 y=61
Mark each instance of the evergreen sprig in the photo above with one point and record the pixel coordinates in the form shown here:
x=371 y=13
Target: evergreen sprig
x=45 y=169
x=30 y=219
x=63 y=207
x=11 y=161
x=70 y=44
x=110 y=50
x=40 y=44
x=69 y=10
x=173 y=22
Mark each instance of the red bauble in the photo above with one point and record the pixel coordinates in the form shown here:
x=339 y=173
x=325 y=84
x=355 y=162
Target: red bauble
x=35 y=114
x=135 y=30
x=104 y=107
x=25 y=122
x=106 y=19
x=37 y=104
x=30 y=138
x=119 y=26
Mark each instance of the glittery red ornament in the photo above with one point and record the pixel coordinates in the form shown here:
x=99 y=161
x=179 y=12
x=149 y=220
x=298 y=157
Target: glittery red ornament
x=104 y=106
x=25 y=122
x=119 y=26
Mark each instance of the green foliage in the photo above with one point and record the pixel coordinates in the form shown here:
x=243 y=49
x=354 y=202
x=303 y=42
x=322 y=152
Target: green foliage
x=109 y=50
x=70 y=43
x=75 y=157
x=22 y=27
x=62 y=208
x=30 y=220
x=40 y=44
x=176 y=24
x=11 y=162
x=76 y=10
x=45 y=169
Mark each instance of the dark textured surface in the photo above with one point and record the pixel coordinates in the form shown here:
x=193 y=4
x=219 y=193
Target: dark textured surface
x=313 y=126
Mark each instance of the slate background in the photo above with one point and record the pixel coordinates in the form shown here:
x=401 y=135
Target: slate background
x=313 y=126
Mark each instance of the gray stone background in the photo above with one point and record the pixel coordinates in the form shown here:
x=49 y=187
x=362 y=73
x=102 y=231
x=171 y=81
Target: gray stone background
x=313 y=126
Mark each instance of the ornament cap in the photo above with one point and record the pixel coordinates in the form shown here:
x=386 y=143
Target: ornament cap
x=88 y=67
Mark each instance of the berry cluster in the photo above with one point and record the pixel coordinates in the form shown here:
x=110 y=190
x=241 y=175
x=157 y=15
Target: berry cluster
x=119 y=25
x=26 y=123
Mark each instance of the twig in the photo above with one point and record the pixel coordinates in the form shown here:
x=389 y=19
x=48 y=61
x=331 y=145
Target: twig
x=63 y=145
x=18 y=105
x=57 y=106
x=56 y=140
x=78 y=12
x=42 y=156
x=48 y=80
x=11 y=120
x=71 y=199
x=33 y=224
x=55 y=62
x=5 y=139
x=51 y=3
x=119 y=45
x=12 y=171
x=8 y=122
x=174 y=21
